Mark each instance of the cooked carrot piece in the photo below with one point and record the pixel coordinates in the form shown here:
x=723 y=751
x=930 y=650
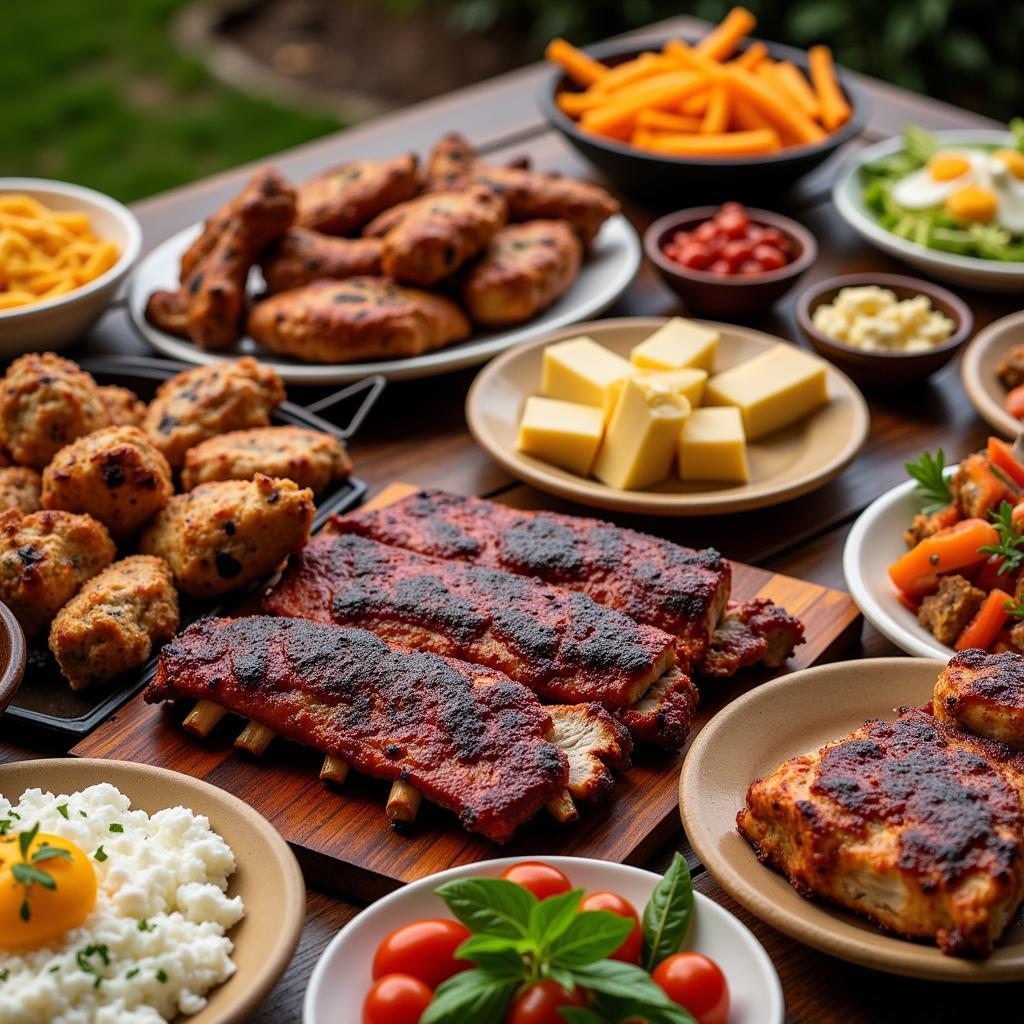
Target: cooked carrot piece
x=716 y=117
x=989 y=619
x=688 y=57
x=722 y=41
x=791 y=79
x=835 y=111
x=1000 y=454
x=660 y=93
x=954 y=548
x=579 y=66
x=752 y=56
x=644 y=66
x=695 y=105
x=777 y=109
x=723 y=144
x=745 y=117
x=662 y=121
x=1014 y=403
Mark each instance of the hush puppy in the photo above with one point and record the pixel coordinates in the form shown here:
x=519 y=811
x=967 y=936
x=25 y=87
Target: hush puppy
x=20 y=488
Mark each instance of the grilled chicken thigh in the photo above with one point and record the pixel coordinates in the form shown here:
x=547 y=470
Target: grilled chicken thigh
x=984 y=694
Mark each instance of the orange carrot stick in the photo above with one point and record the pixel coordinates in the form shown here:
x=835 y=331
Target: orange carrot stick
x=722 y=41
x=725 y=144
x=778 y=109
x=662 y=121
x=835 y=111
x=744 y=117
x=579 y=66
x=990 y=618
x=661 y=93
x=752 y=55
x=716 y=117
x=689 y=57
x=953 y=548
x=792 y=80
x=644 y=66
x=695 y=105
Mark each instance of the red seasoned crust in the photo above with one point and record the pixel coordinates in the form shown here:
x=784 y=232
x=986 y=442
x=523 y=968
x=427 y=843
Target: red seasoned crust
x=983 y=693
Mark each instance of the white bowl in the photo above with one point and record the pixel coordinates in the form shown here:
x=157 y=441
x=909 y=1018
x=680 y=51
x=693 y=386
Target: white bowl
x=59 y=322
x=970 y=271
x=342 y=976
x=874 y=543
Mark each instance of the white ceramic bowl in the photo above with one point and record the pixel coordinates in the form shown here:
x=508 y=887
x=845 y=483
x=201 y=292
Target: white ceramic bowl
x=342 y=976
x=873 y=544
x=969 y=271
x=57 y=323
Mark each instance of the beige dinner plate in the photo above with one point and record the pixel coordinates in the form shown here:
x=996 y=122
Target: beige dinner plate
x=978 y=371
x=751 y=737
x=267 y=876
x=783 y=465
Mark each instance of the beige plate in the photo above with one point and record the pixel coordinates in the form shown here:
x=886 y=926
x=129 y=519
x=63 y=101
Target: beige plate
x=267 y=877
x=750 y=738
x=784 y=465
x=978 y=370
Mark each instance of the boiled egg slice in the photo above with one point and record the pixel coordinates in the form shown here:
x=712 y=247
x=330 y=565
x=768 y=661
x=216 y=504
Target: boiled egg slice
x=933 y=184
x=37 y=909
x=1007 y=173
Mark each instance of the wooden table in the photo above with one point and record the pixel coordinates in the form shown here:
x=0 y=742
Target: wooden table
x=418 y=433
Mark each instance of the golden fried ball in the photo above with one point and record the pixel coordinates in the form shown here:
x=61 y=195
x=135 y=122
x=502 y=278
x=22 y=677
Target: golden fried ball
x=20 y=488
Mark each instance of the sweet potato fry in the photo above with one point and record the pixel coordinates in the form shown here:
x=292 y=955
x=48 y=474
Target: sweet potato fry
x=721 y=42
x=725 y=144
x=580 y=67
x=835 y=111
x=716 y=117
x=660 y=93
x=781 y=112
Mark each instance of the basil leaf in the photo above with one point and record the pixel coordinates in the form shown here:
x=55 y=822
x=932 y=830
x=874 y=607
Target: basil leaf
x=563 y=976
x=551 y=917
x=494 y=952
x=481 y=996
x=590 y=936
x=618 y=1010
x=668 y=914
x=632 y=984
x=493 y=906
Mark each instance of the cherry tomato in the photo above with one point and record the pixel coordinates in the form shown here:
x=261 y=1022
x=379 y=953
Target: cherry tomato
x=706 y=231
x=1014 y=403
x=681 y=237
x=540 y=1002
x=541 y=879
x=423 y=949
x=695 y=255
x=733 y=223
x=770 y=257
x=629 y=951
x=696 y=983
x=721 y=267
x=750 y=267
x=396 y=999
x=737 y=252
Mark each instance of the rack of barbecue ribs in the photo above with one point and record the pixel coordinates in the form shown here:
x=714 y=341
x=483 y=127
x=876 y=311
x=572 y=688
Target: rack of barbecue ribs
x=559 y=643
x=917 y=824
x=655 y=582
x=464 y=736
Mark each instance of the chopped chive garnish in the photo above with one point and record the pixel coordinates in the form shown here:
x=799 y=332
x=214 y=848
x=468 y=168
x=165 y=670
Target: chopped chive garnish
x=115 y=827
x=161 y=976
x=62 y=810
x=132 y=972
x=100 y=855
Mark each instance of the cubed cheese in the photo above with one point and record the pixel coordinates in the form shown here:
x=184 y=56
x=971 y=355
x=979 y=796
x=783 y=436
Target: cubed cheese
x=580 y=370
x=689 y=382
x=712 y=446
x=642 y=435
x=771 y=390
x=678 y=344
x=565 y=434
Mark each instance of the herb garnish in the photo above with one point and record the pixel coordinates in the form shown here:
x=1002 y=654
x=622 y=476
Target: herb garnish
x=100 y=854
x=1010 y=546
x=5 y=824
x=115 y=827
x=62 y=810
x=4 y=974
x=517 y=940
x=145 y=926
x=1015 y=608
x=82 y=959
x=928 y=471
x=27 y=873
x=161 y=976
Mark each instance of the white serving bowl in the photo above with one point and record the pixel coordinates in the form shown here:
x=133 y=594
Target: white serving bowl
x=969 y=271
x=58 y=322
x=342 y=976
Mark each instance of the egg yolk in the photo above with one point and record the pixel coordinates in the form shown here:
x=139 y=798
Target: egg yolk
x=1014 y=161
x=972 y=203
x=50 y=912
x=947 y=166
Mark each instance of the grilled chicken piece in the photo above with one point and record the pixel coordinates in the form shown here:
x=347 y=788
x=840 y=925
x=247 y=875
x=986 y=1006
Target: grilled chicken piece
x=300 y=256
x=594 y=743
x=559 y=643
x=751 y=632
x=913 y=823
x=984 y=694
x=466 y=737
x=340 y=201
x=654 y=582
x=950 y=608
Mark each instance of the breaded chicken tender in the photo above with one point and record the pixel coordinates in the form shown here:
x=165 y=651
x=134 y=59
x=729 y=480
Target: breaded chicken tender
x=20 y=488
x=44 y=558
x=224 y=535
x=124 y=407
x=45 y=403
x=209 y=400
x=116 y=475
x=300 y=256
x=309 y=458
x=113 y=622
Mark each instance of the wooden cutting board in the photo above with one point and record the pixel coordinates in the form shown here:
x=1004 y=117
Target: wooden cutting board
x=342 y=837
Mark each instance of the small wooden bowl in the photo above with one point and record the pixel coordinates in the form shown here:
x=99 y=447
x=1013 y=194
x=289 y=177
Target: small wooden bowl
x=884 y=369
x=12 y=656
x=732 y=297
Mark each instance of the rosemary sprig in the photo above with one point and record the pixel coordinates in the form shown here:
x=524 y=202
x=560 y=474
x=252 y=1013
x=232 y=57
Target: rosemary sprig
x=27 y=873
x=932 y=487
x=1010 y=546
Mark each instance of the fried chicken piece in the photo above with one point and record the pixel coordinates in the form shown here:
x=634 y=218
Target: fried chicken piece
x=211 y=302
x=914 y=824
x=950 y=608
x=354 y=320
x=300 y=256
x=984 y=694
x=450 y=164
x=429 y=238
x=343 y=199
x=748 y=633
x=20 y=488
x=209 y=400
x=1010 y=369
x=524 y=269
x=113 y=622
x=44 y=558
x=124 y=407
x=310 y=458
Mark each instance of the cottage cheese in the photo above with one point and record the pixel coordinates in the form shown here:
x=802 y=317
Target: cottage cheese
x=873 y=319
x=161 y=913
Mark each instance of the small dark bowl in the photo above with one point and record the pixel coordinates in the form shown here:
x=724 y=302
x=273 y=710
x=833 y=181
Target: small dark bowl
x=666 y=178
x=884 y=369
x=12 y=656
x=734 y=297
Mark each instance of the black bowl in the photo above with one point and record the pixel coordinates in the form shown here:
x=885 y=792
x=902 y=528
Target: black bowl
x=673 y=178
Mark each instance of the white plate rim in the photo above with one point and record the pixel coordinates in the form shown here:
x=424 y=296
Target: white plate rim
x=704 y=905
x=970 y=373
x=655 y=502
x=617 y=235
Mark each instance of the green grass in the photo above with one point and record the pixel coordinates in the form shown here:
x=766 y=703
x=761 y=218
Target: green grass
x=95 y=92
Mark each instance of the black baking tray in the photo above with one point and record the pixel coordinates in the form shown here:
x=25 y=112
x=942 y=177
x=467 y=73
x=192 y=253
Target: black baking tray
x=44 y=700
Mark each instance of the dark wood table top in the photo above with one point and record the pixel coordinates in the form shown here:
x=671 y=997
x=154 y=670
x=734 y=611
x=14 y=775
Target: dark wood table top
x=417 y=433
